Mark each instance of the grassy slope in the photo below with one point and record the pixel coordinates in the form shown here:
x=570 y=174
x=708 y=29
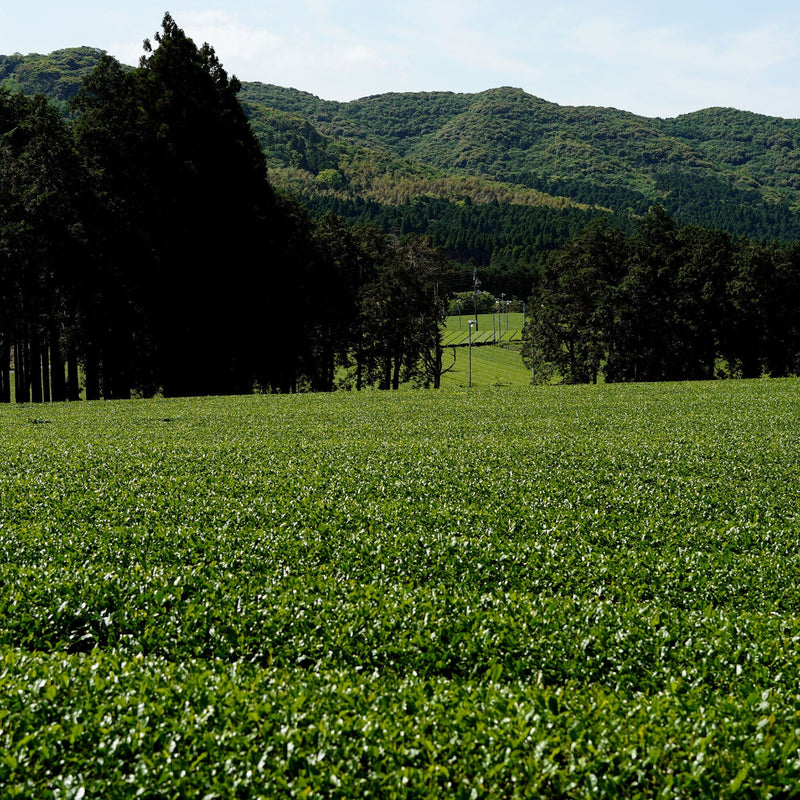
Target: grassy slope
x=491 y=366
x=582 y=591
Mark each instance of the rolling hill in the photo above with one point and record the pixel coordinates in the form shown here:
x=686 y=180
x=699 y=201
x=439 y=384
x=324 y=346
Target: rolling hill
x=498 y=177
x=717 y=167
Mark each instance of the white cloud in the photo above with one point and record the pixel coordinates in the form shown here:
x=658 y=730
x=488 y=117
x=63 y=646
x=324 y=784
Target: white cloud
x=680 y=69
x=232 y=39
x=362 y=56
x=656 y=62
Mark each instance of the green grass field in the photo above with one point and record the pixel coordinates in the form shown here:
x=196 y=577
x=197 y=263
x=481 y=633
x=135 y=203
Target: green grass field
x=491 y=366
x=497 y=329
x=506 y=592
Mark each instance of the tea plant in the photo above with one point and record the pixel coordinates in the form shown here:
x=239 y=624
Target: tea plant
x=572 y=591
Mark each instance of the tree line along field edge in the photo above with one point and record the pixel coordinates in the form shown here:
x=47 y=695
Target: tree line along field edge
x=113 y=245
x=110 y=270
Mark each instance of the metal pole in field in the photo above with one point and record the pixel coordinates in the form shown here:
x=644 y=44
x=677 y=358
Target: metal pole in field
x=471 y=323
x=476 y=290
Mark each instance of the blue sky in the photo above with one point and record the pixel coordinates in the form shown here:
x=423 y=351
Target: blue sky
x=654 y=59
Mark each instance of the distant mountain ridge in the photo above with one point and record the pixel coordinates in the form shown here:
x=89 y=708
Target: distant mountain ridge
x=717 y=167
x=697 y=165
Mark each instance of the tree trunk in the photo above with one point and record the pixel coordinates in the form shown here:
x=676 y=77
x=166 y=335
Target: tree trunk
x=57 y=380
x=115 y=380
x=329 y=370
x=45 y=373
x=398 y=361
x=359 y=369
x=437 y=367
x=5 y=372
x=92 y=374
x=35 y=370
x=21 y=387
x=73 y=385
x=386 y=379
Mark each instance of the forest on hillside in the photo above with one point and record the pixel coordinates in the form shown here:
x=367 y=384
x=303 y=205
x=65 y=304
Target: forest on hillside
x=719 y=168
x=165 y=229
x=377 y=157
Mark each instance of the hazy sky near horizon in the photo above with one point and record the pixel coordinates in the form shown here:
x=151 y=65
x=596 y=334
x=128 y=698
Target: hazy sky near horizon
x=654 y=59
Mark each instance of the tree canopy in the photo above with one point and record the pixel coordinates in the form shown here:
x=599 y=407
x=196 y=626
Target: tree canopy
x=665 y=303
x=143 y=246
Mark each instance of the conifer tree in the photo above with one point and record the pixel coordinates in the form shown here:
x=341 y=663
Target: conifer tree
x=189 y=226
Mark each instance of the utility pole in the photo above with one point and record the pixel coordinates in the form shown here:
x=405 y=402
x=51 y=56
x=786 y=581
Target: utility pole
x=471 y=323
x=476 y=290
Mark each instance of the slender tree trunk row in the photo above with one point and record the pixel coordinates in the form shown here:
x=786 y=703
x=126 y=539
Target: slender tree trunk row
x=41 y=372
x=5 y=372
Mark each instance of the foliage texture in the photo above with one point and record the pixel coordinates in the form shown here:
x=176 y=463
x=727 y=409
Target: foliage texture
x=566 y=591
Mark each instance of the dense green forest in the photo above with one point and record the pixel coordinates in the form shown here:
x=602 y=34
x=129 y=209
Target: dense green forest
x=57 y=75
x=718 y=168
x=168 y=229
x=665 y=303
x=143 y=250
x=502 y=160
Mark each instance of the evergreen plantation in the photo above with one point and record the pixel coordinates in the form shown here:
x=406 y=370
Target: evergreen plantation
x=143 y=250
x=168 y=229
x=665 y=303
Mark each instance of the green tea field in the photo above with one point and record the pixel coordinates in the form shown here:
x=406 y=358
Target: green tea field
x=494 y=328
x=526 y=591
x=491 y=366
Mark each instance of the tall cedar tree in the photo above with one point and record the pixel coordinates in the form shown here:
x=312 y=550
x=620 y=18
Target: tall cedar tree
x=189 y=225
x=40 y=248
x=572 y=312
x=213 y=279
x=113 y=136
x=401 y=314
